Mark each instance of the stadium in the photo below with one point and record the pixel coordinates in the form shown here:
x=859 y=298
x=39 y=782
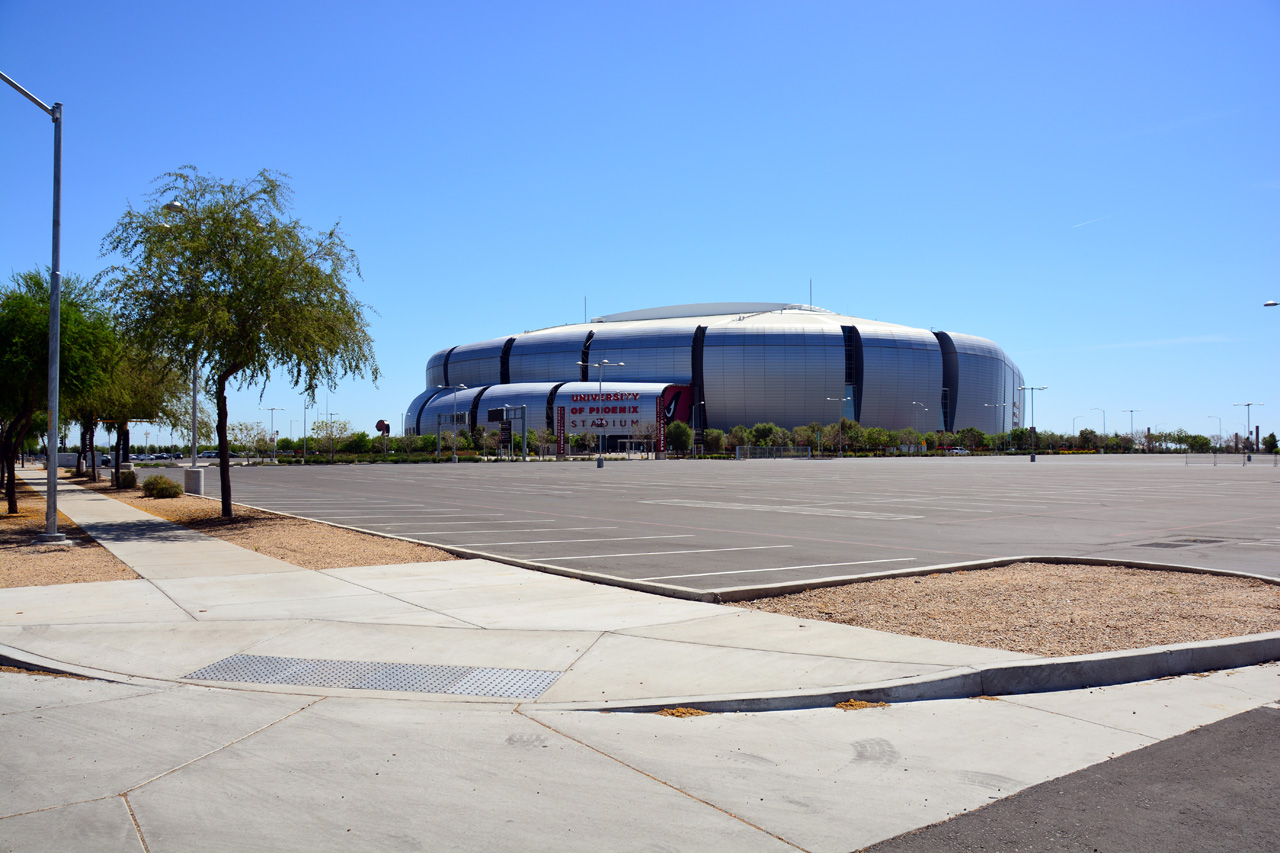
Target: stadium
x=719 y=365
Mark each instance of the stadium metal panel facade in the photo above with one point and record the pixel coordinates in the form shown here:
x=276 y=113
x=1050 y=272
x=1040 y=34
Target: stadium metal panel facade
x=723 y=364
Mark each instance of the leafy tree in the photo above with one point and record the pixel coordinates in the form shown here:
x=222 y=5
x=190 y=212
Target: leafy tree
x=972 y=438
x=1269 y=442
x=739 y=436
x=358 y=442
x=330 y=434
x=713 y=440
x=879 y=438
x=680 y=436
x=286 y=445
x=1199 y=443
x=235 y=288
x=86 y=341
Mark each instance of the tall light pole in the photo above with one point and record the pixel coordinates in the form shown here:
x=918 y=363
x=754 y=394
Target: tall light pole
x=921 y=405
x=51 y=533
x=601 y=365
x=1131 y=411
x=1219 y=443
x=841 y=401
x=1248 y=416
x=1073 y=424
x=997 y=406
x=1033 y=390
x=272 y=410
x=292 y=421
x=455 y=389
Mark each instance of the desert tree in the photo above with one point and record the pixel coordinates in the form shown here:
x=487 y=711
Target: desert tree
x=218 y=278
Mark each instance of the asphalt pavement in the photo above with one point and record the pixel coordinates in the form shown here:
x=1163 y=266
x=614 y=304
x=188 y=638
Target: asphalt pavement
x=748 y=527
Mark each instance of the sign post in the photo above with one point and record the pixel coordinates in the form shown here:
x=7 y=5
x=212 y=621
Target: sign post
x=661 y=421
x=559 y=433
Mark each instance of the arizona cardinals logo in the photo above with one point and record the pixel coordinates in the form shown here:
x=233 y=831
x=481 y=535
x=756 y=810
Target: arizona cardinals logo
x=672 y=405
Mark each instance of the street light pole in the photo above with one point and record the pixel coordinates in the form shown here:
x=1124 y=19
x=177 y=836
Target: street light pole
x=921 y=405
x=455 y=389
x=601 y=365
x=1131 y=411
x=1248 y=416
x=1219 y=444
x=841 y=401
x=272 y=410
x=51 y=534
x=1033 y=391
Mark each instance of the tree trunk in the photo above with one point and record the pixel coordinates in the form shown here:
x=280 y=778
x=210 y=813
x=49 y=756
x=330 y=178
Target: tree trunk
x=224 y=460
x=7 y=446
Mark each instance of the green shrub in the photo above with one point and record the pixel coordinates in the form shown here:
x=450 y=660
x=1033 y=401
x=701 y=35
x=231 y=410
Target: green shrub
x=156 y=486
x=127 y=480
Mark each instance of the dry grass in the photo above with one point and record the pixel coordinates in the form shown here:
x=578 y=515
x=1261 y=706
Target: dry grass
x=858 y=705
x=306 y=544
x=23 y=564
x=1045 y=609
x=681 y=712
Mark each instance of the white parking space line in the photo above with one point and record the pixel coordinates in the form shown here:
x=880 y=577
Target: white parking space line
x=433 y=519
x=665 y=553
x=507 y=530
x=779 y=569
x=549 y=541
x=444 y=521
x=797 y=510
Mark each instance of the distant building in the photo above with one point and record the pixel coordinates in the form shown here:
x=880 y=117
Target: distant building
x=719 y=365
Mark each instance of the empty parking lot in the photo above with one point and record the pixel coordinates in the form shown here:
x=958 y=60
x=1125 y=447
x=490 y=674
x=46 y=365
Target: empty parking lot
x=722 y=525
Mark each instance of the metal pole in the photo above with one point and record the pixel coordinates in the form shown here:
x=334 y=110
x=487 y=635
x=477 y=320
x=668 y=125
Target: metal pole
x=51 y=533
x=195 y=378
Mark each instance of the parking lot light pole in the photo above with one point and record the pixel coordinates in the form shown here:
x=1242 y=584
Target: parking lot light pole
x=1131 y=411
x=841 y=401
x=921 y=405
x=272 y=410
x=454 y=389
x=1248 y=416
x=998 y=406
x=51 y=534
x=1033 y=390
x=601 y=364
x=1219 y=442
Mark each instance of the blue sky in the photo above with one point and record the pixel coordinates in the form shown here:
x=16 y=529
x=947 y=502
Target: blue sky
x=1093 y=185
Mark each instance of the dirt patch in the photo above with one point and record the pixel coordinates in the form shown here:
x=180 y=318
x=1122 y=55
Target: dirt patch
x=858 y=705
x=306 y=544
x=682 y=712
x=22 y=564
x=1045 y=609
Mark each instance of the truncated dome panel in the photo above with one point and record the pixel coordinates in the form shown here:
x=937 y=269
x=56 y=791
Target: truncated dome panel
x=373 y=675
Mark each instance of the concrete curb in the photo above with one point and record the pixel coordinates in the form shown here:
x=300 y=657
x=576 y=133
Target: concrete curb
x=1000 y=679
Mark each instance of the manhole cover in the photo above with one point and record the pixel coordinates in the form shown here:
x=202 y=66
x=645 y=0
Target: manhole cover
x=1163 y=545
x=373 y=675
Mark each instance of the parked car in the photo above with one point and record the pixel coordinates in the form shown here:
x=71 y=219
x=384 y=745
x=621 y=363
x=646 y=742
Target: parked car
x=958 y=451
x=208 y=454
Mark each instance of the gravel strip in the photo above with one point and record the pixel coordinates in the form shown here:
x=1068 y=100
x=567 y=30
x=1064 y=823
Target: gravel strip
x=25 y=564
x=1044 y=609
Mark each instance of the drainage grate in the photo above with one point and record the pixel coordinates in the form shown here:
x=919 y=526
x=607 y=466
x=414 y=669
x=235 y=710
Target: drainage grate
x=1164 y=545
x=372 y=675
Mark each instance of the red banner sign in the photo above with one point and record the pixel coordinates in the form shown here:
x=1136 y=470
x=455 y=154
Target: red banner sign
x=661 y=421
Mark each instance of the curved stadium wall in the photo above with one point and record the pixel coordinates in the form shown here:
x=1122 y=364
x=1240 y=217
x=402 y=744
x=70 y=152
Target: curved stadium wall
x=723 y=364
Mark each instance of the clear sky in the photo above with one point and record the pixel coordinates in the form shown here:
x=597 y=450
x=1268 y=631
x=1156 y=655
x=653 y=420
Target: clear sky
x=1093 y=185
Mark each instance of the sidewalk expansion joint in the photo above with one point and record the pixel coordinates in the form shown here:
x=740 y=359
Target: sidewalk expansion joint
x=665 y=784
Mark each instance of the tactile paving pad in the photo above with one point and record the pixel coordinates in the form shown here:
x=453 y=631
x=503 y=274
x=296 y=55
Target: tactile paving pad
x=372 y=675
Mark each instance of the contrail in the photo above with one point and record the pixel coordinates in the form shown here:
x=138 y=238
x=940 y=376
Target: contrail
x=1099 y=219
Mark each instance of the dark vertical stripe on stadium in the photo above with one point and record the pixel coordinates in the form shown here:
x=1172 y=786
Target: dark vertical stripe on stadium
x=504 y=363
x=583 y=375
x=950 y=380
x=446 y=364
x=853 y=367
x=551 y=406
x=417 y=420
x=698 y=414
x=475 y=408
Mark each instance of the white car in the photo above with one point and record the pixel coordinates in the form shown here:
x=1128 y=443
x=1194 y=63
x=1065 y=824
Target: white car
x=958 y=451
